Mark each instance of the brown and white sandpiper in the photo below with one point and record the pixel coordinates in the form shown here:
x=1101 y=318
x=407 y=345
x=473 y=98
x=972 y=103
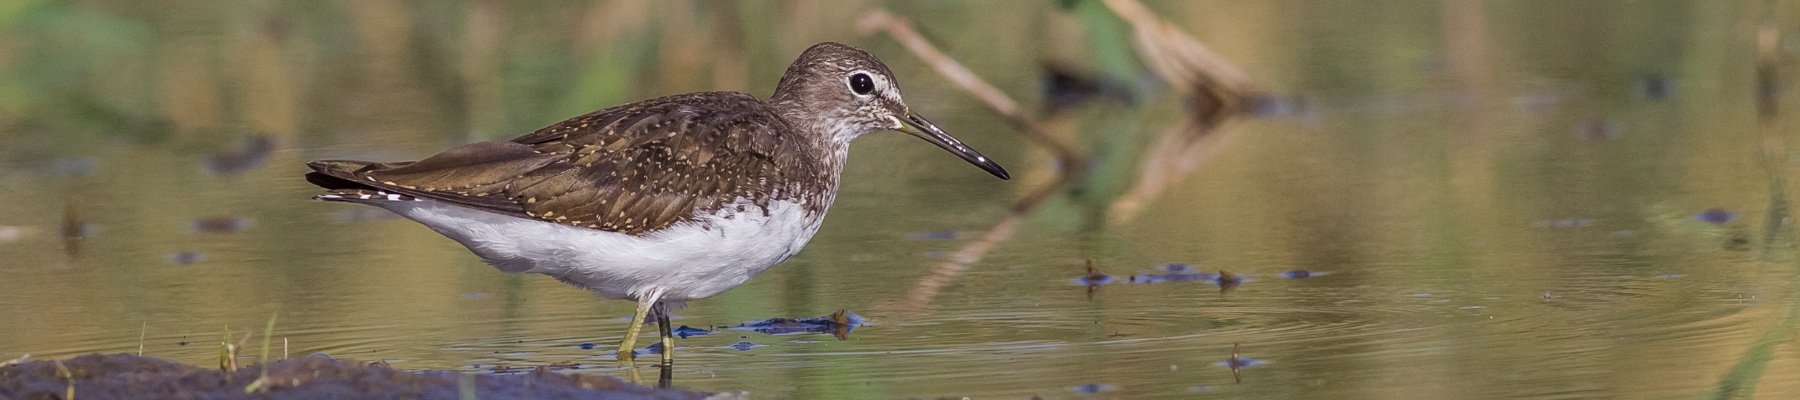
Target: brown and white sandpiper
x=661 y=201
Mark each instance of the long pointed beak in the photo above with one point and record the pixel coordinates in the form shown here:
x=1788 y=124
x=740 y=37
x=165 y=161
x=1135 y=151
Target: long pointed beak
x=917 y=126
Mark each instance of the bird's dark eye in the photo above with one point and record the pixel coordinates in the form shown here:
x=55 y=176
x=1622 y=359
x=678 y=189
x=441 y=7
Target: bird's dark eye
x=862 y=84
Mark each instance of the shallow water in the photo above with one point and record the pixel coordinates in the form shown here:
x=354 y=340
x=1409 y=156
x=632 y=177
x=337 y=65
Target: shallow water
x=1579 y=204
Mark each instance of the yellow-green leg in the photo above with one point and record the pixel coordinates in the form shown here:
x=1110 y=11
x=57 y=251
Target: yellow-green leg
x=668 y=338
x=627 y=347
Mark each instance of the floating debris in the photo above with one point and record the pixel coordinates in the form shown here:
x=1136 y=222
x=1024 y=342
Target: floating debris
x=743 y=346
x=1237 y=363
x=1563 y=223
x=838 y=324
x=250 y=154
x=1300 y=274
x=220 y=224
x=586 y=346
x=1715 y=216
x=186 y=257
x=1228 y=281
x=1420 y=294
x=934 y=235
x=684 y=331
x=1093 y=279
x=1092 y=388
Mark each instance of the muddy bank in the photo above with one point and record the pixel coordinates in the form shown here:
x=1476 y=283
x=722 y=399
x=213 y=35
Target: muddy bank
x=124 y=376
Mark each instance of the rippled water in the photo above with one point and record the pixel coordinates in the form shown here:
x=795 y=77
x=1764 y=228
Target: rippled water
x=1580 y=203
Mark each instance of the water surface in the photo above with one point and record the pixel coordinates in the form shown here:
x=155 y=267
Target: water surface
x=1579 y=202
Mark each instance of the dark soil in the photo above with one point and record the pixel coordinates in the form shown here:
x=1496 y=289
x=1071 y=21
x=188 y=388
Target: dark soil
x=124 y=376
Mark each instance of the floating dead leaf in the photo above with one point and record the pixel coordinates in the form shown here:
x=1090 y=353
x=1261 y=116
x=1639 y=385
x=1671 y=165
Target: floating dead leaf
x=1228 y=281
x=1093 y=279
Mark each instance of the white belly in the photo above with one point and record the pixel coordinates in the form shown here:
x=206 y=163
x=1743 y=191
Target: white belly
x=686 y=261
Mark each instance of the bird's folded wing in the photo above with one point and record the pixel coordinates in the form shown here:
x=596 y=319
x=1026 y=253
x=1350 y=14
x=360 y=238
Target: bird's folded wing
x=632 y=169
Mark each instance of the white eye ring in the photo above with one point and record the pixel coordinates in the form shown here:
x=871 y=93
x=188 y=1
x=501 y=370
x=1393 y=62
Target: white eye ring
x=866 y=78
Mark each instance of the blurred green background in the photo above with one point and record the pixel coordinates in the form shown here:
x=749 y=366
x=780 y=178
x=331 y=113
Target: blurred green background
x=1509 y=198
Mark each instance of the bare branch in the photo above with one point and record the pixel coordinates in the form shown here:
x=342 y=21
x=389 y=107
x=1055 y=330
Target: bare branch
x=901 y=29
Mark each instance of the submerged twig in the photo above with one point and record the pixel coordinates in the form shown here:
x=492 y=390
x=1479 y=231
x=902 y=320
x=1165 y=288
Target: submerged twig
x=901 y=30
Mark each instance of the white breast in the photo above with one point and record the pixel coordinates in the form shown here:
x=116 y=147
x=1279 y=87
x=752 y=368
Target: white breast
x=686 y=261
